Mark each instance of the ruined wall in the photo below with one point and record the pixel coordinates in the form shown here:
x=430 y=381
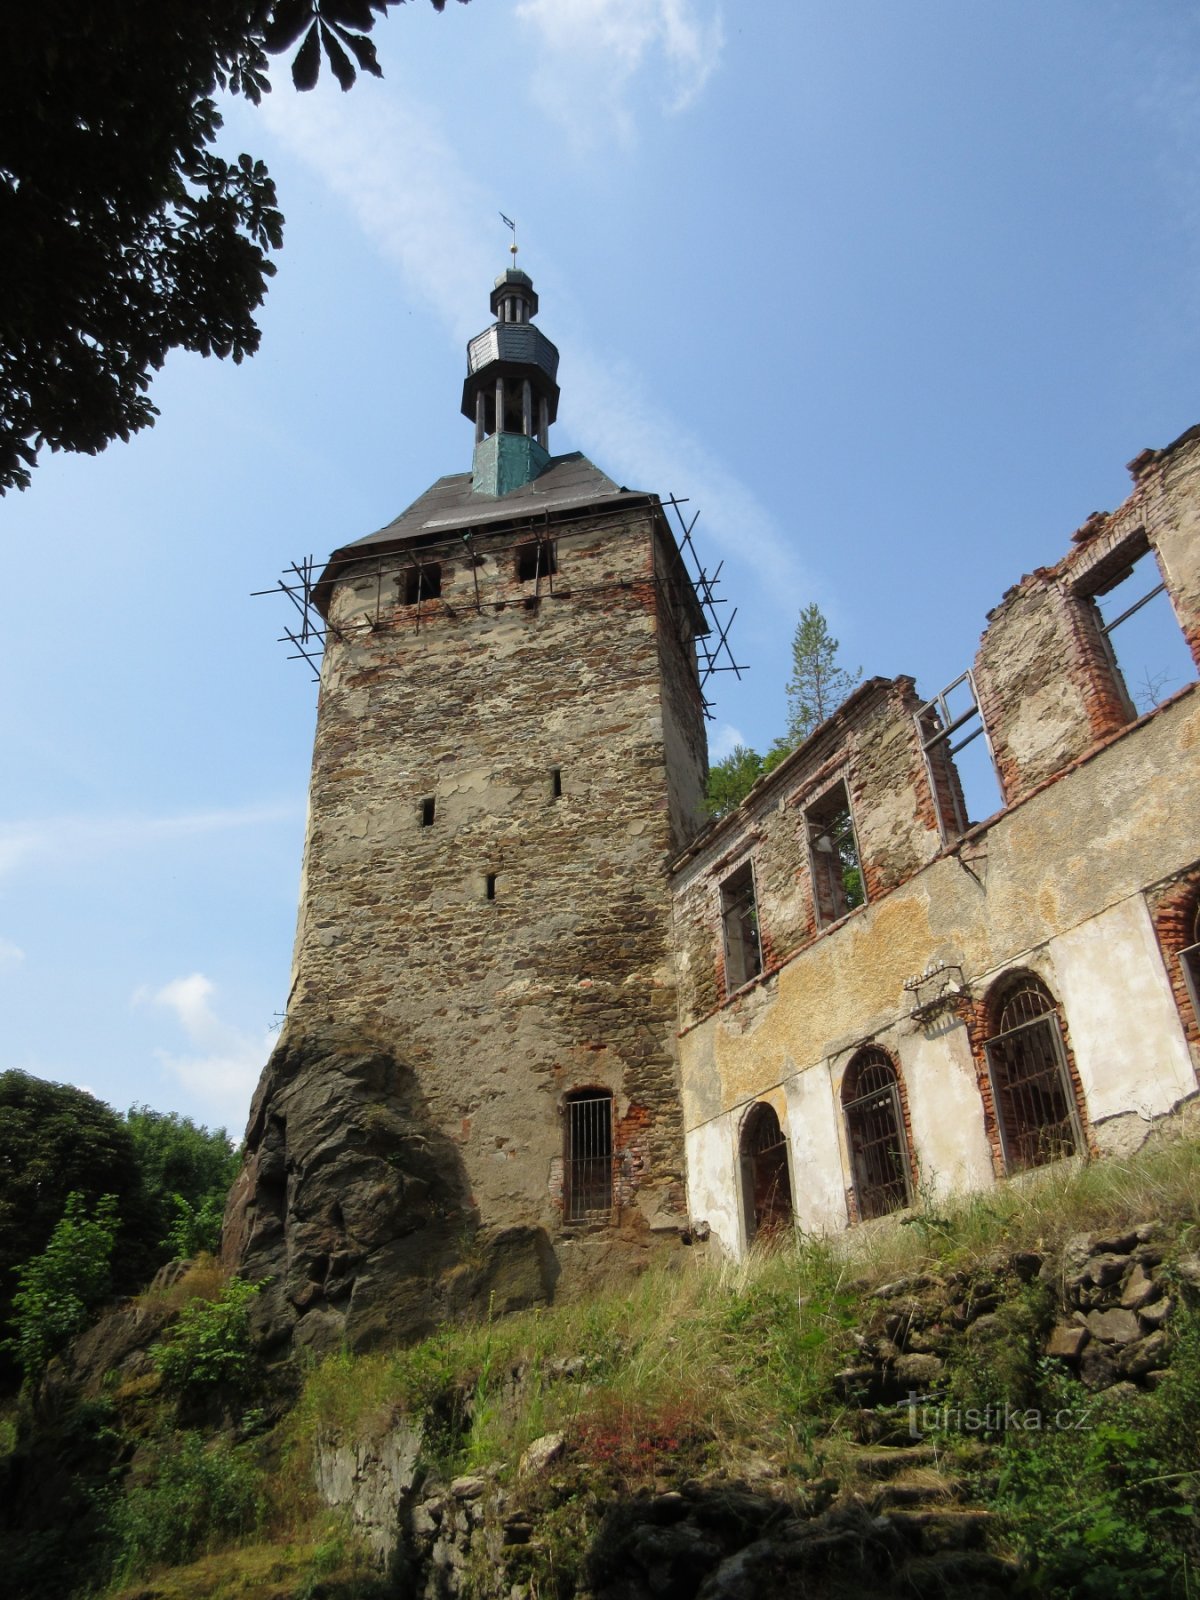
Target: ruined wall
x=485 y=885
x=1089 y=880
x=1048 y=687
x=872 y=746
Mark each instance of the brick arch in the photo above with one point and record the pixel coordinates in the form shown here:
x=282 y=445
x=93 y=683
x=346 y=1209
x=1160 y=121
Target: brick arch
x=1033 y=1102
x=878 y=1134
x=1176 y=920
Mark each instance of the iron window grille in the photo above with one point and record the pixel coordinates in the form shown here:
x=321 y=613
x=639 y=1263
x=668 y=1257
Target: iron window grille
x=588 y=1189
x=766 y=1178
x=945 y=725
x=875 y=1133
x=837 y=874
x=739 y=924
x=1189 y=960
x=1027 y=1061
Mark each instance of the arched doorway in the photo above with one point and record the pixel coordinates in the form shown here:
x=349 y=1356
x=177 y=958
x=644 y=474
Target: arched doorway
x=766 y=1179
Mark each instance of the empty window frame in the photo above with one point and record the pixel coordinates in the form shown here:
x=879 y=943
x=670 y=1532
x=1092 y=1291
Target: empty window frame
x=588 y=1156
x=1036 y=1113
x=963 y=791
x=739 y=928
x=766 y=1177
x=535 y=560
x=428 y=808
x=1139 y=631
x=419 y=583
x=879 y=1164
x=833 y=853
x=1189 y=960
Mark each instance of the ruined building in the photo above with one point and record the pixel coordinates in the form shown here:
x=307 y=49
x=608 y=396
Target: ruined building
x=542 y=1017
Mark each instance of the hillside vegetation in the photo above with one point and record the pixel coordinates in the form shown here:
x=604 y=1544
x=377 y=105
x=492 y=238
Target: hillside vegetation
x=876 y=1414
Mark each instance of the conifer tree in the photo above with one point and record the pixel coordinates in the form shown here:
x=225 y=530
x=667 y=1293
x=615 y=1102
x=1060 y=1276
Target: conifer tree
x=818 y=685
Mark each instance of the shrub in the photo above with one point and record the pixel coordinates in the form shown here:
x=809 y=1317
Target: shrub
x=209 y=1346
x=58 y=1290
x=197 y=1497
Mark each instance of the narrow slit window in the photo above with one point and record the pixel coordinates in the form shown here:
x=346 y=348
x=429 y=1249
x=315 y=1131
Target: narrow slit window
x=1142 y=638
x=490 y=886
x=421 y=583
x=588 y=1156
x=538 y=559
x=427 y=810
x=556 y=783
x=837 y=873
x=739 y=928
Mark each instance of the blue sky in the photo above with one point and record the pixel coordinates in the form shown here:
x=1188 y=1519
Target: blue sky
x=891 y=292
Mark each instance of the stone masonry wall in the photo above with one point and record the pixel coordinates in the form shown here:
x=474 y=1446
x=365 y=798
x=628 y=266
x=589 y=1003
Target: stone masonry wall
x=485 y=886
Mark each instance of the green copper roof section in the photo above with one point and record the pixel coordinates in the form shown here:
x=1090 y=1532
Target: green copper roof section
x=505 y=462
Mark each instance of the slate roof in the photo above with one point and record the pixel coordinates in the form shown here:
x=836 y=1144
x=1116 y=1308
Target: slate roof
x=570 y=482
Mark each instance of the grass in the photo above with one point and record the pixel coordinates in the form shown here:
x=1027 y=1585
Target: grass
x=696 y=1369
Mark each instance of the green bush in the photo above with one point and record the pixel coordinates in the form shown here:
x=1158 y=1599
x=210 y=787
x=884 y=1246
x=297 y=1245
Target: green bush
x=58 y=1290
x=197 y=1497
x=209 y=1347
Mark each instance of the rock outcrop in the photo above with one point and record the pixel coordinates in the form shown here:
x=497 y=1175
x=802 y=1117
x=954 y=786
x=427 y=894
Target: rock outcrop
x=354 y=1210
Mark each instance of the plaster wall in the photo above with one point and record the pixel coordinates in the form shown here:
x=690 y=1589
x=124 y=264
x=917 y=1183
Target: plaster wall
x=1130 y=1050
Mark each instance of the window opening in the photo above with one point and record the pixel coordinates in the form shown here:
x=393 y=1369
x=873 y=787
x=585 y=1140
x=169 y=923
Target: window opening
x=739 y=925
x=427 y=810
x=588 y=1163
x=421 y=583
x=491 y=886
x=833 y=850
x=879 y=1161
x=766 y=1179
x=1189 y=960
x=536 y=560
x=556 y=783
x=1141 y=635
x=966 y=790
x=1035 y=1104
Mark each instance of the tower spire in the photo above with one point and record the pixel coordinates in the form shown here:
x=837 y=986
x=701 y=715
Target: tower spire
x=510 y=393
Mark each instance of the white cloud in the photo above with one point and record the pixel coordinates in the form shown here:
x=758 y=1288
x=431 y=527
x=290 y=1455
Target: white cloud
x=724 y=740
x=593 y=52
x=430 y=217
x=11 y=955
x=67 y=838
x=223 y=1067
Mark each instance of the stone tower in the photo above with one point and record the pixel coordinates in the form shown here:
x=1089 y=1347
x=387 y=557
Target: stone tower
x=475 y=1092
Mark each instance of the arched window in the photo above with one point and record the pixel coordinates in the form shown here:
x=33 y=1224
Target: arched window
x=588 y=1155
x=1189 y=958
x=766 y=1181
x=1035 y=1102
x=879 y=1162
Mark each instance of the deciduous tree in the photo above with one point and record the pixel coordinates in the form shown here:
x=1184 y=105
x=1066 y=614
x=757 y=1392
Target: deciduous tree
x=126 y=235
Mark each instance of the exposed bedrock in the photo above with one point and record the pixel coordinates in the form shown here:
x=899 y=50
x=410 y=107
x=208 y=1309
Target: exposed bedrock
x=353 y=1208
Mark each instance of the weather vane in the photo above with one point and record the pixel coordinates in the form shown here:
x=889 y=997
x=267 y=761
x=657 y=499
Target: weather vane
x=512 y=227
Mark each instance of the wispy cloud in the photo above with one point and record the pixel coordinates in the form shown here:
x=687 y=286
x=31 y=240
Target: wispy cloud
x=11 y=955
x=23 y=844
x=724 y=740
x=429 y=217
x=593 y=53
x=223 y=1065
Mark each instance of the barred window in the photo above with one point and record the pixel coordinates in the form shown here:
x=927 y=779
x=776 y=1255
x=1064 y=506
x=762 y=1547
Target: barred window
x=421 y=583
x=879 y=1163
x=1035 y=1103
x=588 y=1156
x=766 y=1179
x=739 y=926
x=1189 y=959
x=537 y=559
